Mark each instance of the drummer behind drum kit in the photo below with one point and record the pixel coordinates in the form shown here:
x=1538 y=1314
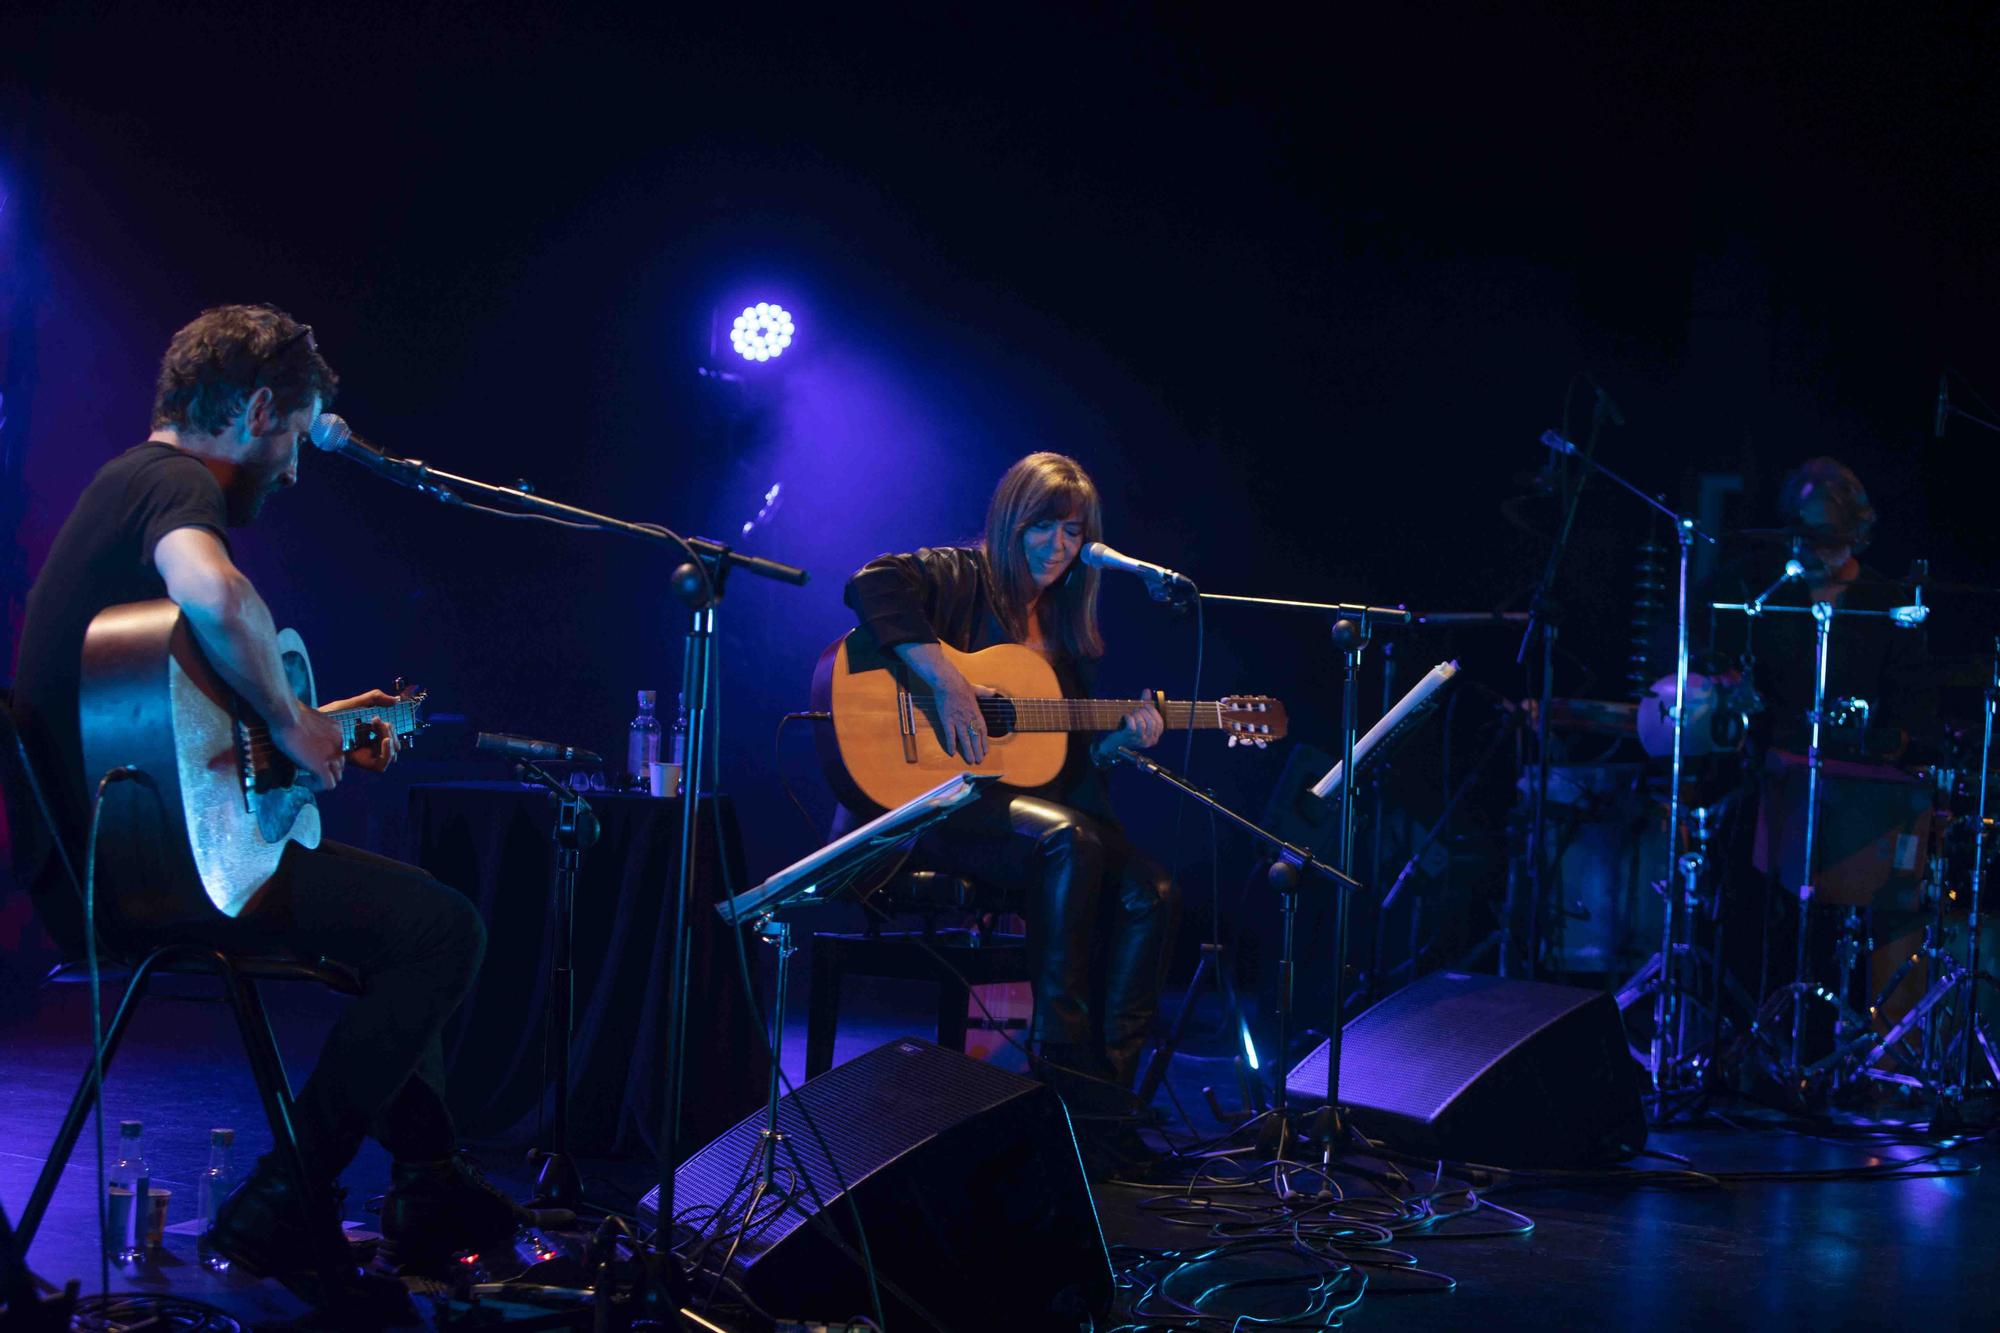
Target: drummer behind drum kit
x=1892 y=861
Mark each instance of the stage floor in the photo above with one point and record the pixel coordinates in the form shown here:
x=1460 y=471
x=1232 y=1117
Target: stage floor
x=1841 y=1254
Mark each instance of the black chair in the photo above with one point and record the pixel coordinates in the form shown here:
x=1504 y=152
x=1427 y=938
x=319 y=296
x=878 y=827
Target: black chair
x=955 y=958
x=239 y=974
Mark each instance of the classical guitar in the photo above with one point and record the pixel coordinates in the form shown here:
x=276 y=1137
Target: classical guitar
x=883 y=744
x=216 y=802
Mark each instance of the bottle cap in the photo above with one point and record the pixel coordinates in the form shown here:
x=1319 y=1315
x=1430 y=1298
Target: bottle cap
x=129 y=1128
x=222 y=1138
x=648 y=698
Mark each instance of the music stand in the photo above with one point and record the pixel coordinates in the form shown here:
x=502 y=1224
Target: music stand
x=799 y=883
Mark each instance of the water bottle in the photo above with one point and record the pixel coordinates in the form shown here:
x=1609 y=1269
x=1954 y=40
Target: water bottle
x=130 y=1181
x=643 y=747
x=210 y=1191
x=679 y=752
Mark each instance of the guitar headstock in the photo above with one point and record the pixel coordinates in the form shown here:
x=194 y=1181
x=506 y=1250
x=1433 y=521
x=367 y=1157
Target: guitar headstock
x=408 y=717
x=1251 y=719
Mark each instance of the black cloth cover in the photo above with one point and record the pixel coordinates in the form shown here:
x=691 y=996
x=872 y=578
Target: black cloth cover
x=492 y=841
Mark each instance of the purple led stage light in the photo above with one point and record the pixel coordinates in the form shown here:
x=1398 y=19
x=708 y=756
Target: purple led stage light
x=762 y=331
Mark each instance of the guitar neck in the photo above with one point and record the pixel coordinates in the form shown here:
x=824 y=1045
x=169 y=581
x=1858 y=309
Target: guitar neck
x=1106 y=714
x=401 y=717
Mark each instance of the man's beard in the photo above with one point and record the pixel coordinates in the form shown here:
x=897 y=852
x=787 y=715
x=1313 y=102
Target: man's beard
x=243 y=498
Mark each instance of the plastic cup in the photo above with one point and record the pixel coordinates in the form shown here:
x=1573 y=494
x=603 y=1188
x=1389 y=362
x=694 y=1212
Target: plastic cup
x=663 y=779
x=156 y=1221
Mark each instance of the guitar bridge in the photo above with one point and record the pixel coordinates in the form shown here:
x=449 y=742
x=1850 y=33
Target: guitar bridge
x=246 y=764
x=906 y=724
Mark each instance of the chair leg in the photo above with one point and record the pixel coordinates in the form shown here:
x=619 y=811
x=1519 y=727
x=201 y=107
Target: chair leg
x=80 y=1106
x=823 y=1007
x=260 y=1045
x=281 y=1082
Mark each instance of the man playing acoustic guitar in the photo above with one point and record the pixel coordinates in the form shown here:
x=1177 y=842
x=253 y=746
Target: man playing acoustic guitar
x=237 y=389
x=1092 y=897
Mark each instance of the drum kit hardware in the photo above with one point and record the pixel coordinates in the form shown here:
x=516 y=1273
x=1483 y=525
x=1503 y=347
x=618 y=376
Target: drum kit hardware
x=1887 y=865
x=1905 y=1013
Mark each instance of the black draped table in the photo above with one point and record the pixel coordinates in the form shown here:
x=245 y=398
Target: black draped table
x=492 y=841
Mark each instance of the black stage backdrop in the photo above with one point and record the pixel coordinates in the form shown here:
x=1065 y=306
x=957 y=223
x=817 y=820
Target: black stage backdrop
x=1301 y=298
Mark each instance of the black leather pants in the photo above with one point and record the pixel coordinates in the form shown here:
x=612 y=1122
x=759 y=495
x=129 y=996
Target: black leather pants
x=1100 y=917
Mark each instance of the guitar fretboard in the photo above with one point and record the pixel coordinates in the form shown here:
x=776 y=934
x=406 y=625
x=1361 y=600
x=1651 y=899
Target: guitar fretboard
x=1098 y=714
x=401 y=717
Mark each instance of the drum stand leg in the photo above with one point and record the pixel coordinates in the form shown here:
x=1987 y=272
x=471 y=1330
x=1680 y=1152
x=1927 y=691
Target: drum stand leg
x=1676 y=991
x=1787 y=1066
x=1944 y=1062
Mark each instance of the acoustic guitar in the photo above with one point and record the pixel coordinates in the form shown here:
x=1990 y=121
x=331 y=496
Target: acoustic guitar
x=884 y=746
x=216 y=802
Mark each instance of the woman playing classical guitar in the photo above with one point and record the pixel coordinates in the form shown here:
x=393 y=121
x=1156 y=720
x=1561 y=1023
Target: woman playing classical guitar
x=1100 y=912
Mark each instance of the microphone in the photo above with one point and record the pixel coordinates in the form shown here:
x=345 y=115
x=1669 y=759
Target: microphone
x=527 y=747
x=1162 y=580
x=335 y=436
x=1943 y=405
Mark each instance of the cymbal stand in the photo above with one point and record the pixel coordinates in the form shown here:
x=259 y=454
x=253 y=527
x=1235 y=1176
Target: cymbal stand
x=1972 y=1029
x=1945 y=1063
x=1789 y=1068
x=1668 y=1065
x=1822 y=614
x=1696 y=892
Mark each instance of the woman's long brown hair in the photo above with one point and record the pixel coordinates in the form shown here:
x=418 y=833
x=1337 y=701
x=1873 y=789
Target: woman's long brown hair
x=1041 y=487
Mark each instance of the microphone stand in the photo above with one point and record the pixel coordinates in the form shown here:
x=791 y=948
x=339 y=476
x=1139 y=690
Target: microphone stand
x=1543 y=618
x=1350 y=635
x=557 y=1182
x=1285 y=875
x=699 y=583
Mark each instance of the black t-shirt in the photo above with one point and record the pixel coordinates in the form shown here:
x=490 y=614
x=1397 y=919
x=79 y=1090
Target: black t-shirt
x=103 y=556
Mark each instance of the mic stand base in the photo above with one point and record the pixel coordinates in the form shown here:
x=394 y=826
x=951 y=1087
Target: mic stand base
x=558 y=1184
x=1214 y=958
x=1276 y=1127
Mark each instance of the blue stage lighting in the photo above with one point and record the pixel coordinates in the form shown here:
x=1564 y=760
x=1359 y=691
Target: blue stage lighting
x=762 y=331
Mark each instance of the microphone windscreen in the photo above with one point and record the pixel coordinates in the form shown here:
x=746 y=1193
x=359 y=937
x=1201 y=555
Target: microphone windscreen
x=329 y=432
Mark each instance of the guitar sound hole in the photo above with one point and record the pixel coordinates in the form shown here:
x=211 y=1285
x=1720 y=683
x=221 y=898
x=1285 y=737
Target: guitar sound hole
x=999 y=715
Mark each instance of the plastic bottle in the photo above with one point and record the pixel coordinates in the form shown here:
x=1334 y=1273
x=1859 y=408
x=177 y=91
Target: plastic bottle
x=210 y=1190
x=130 y=1181
x=680 y=746
x=643 y=747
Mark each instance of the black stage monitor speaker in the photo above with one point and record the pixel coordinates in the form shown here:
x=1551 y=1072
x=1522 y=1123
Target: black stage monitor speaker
x=1483 y=1069
x=967 y=1180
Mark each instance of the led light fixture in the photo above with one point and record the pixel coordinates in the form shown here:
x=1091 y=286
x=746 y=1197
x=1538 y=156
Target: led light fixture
x=762 y=331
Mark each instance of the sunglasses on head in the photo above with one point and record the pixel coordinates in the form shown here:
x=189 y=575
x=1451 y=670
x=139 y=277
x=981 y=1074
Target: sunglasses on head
x=304 y=331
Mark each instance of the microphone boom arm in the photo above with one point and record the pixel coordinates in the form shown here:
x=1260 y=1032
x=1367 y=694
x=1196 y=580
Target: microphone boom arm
x=444 y=487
